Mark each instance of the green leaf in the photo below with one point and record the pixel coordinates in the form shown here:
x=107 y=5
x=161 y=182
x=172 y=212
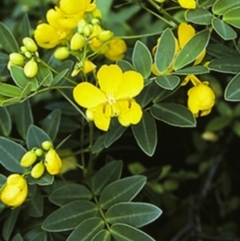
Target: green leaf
x=134 y=214
x=173 y=114
x=41 y=236
x=23 y=117
x=196 y=70
x=45 y=180
x=236 y=127
x=168 y=82
x=87 y=229
x=229 y=65
x=106 y=175
x=232 y=91
x=7 y=40
x=115 y=132
x=59 y=77
x=223 y=29
x=26 y=90
x=142 y=60
x=192 y=49
x=26 y=26
x=5 y=122
x=3 y=180
x=163 y=94
x=220 y=50
x=20 y=79
x=9 y=101
x=103 y=235
x=145 y=133
x=98 y=145
x=199 y=16
x=124 y=65
x=9 y=223
x=17 y=237
x=35 y=137
x=69 y=216
x=68 y=193
x=44 y=75
x=9 y=90
x=232 y=17
x=218 y=123
x=124 y=232
x=222 y=6
x=51 y=123
x=165 y=51
x=10 y=155
x=35 y=206
x=123 y=190
x=206 y=3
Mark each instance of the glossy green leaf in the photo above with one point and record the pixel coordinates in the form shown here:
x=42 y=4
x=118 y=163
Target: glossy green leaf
x=87 y=229
x=222 y=6
x=124 y=232
x=35 y=137
x=218 y=123
x=168 y=82
x=173 y=114
x=103 y=235
x=5 y=122
x=9 y=223
x=20 y=79
x=165 y=51
x=9 y=90
x=51 y=123
x=142 y=59
x=115 y=132
x=106 y=175
x=145 y=133
x=232 y=16
x=124 y=65
x=45 y=180
x=7 y=40
x=229 y=65
x=192 y=49
x=123 y=190
x=199 y=16
x=35 y=206
x=26 y=26
x=44 y=75
x=17 y=237
x=68 y=193
x=69 y=216
x=10 y=155
x=133 y=213
x=232 y=91
x=59 y=77
x=196 y=70
x=223 y=29
x=23 y=117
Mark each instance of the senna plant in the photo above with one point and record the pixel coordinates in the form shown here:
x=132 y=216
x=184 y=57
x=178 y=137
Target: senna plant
x=77 y=81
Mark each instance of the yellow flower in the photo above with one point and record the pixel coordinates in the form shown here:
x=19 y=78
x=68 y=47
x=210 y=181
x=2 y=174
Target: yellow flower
x=188 y=4
x=69 y=161
x=201 y=98
x=113 y=99
x=14 y=191
x=116 y=49
x=52 y=162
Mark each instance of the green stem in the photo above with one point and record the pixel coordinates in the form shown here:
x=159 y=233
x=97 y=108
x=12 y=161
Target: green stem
x=140 y=35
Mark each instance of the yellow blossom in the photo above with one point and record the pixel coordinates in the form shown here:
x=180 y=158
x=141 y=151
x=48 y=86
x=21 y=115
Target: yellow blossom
x=113 y=99
x=15 y=191
x=88 y=66
x=116 y=49
x=188 y=4
x=52 y=162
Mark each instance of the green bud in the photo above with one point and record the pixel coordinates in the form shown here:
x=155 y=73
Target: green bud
x=28 y=159
x=38 y=170
x=97 y=14
x=46 y=145
x=77 y=42
x=95 y=21
x=16 y=59
x=61 y=53
x=82 y=23
x=38 y=151
x=23 y=49
x=87 y=30
x=105 y=35
x=30 y=69
x=30 y=44
x=28 y=54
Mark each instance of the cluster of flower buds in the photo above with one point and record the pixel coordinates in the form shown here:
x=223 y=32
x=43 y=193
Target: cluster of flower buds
x=26 y=58
x=40 y=159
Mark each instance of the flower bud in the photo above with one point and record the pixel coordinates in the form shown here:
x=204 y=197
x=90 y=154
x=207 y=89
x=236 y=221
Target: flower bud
x=87 y=30
x=95 y=21
x=77 y=42
x=82 y=23
x=105 y=35
x=38 y=151
x=28 y=54
x=23 y=49
x=96 y=13
x=16 y=59
x=28 y=159
x=61 y=53
x=30 y=68
x=14 y=191
x=88 y=66
x=37 y=170
x=52 y=162
x=46 y=145
x=30 y=44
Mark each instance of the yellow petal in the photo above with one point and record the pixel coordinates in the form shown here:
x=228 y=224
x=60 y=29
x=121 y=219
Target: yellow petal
x=200 y=57
x=132 y=84
x=109 y=78
x=88 y=96
x=185 y=33
x=101 y=120
x=188 y=4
